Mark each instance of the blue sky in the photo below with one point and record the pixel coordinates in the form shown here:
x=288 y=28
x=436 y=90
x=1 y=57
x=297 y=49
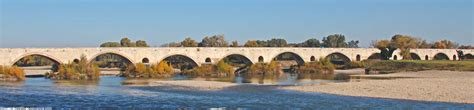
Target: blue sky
x=88 y=23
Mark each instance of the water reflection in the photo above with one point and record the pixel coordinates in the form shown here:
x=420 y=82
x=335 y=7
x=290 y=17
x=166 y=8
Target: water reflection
x=283 y=79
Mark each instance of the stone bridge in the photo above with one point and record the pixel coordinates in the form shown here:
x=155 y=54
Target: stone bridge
x=201 y=55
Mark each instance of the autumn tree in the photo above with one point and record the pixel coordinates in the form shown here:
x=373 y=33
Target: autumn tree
x=445 y=44
x=81 y=70
x=423 y=44
x=224 y=68
x=163 y=68
x=15 y=73
x=404 y=43
x=251 y=43
x=189 y=42
x=386 y=48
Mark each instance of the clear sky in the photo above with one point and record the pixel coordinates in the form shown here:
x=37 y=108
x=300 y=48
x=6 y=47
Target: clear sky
x=88 y=23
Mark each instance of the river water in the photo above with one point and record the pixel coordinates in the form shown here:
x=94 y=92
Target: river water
x=110 y=93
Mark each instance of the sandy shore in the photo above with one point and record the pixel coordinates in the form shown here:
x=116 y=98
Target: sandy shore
x=442 y=86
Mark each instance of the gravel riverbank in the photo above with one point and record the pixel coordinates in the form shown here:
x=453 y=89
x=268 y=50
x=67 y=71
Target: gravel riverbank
x=442 y=86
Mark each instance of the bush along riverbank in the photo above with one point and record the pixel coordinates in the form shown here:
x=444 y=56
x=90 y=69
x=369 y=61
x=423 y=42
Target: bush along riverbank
x=265 y=69
x=141 y=70
x=323 y=66
x=81 y=70
x=11 y=73
x=221 y=69
x=273 y=68
x=391 y=66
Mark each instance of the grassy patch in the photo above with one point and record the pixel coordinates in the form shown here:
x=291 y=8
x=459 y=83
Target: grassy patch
x=419 y=65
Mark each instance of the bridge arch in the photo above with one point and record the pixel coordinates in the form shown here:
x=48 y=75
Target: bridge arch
x=180 y=61
x=440 y=56
x=374 y=56
x=119 y=63
x=414 y=56
x=237 y=58
x=338 y=58
x=468 y=57
x=55 y=60
x=289 y=56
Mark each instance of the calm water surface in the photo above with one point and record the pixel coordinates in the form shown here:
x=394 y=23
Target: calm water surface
x=110 y=93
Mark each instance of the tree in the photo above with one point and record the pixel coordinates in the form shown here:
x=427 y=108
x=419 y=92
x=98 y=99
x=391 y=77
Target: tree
x=110 y=44
x=251 y=43
x=125 y=42
x=262 y=43
x=223 y=67
x=460 y=54
x=353 y=44
x=386 y=48
x=214 y=41
x=188 y=42
x=404 y=43
x=439 y=45
x=235 y=44
x=466 y=47
x=445 y=44
x=277 y=43
x=141 y=43
x=334 y=41
x=423 y=44
x=311 y=43
x=163 y=68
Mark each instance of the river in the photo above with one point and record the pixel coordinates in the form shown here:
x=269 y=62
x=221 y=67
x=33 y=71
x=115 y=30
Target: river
x=110 y=93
